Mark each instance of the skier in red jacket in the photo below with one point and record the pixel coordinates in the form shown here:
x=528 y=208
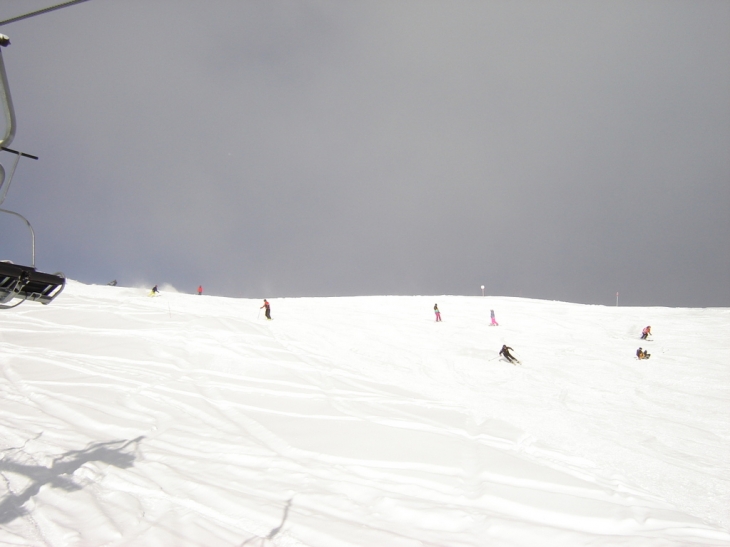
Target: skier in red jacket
x=268 y=309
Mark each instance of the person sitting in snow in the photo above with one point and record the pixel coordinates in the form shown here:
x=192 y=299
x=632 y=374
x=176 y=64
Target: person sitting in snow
x=505 y=351
x=645 y=332
x=641 y=354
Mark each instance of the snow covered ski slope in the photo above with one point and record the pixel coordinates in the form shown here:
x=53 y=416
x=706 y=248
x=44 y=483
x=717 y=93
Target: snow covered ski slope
x=187 y=420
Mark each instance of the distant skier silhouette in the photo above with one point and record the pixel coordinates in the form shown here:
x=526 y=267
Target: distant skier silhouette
x=645 y=332
x=494 y=321
x=437 y=312
x=200 y=290
x=154 y=291
x=268 y=309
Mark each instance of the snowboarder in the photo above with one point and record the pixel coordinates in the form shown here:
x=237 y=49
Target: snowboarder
x=645 y=332
x=200 y=290
x=494 y=321
x=268 y=309
x=437 y=312
x=505 y=352
x=154 y=291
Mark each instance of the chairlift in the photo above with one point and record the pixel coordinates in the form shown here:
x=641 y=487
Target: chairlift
x=20 y=282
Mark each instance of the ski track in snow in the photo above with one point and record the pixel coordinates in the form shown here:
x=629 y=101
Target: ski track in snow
x=190 y=420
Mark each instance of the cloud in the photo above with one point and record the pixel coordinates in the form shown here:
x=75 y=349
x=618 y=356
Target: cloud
x=562 y=150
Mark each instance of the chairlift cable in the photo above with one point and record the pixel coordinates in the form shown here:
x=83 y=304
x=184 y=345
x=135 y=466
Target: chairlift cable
x=40 y=11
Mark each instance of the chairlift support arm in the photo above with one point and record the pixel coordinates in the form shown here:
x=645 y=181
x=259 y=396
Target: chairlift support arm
x=4 y=187
x=6 y=99
x=20 y=282
x=32 y=234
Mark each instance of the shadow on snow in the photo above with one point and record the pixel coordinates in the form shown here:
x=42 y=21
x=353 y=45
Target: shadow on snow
x=59 y=475
x=274 y=531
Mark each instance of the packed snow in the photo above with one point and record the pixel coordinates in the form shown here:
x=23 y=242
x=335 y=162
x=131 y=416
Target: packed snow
x=187 y=420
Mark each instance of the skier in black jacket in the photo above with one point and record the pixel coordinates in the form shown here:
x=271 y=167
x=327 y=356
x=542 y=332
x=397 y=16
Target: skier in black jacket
x=505 y=351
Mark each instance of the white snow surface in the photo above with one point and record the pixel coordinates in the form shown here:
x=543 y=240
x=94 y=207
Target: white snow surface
x=186 y=420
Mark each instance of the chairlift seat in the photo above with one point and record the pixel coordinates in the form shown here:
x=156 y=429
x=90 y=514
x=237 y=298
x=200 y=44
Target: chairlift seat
x=25 y=283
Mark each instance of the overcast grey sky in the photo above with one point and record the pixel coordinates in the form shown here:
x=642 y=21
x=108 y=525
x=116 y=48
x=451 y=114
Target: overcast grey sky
x=559 y=150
